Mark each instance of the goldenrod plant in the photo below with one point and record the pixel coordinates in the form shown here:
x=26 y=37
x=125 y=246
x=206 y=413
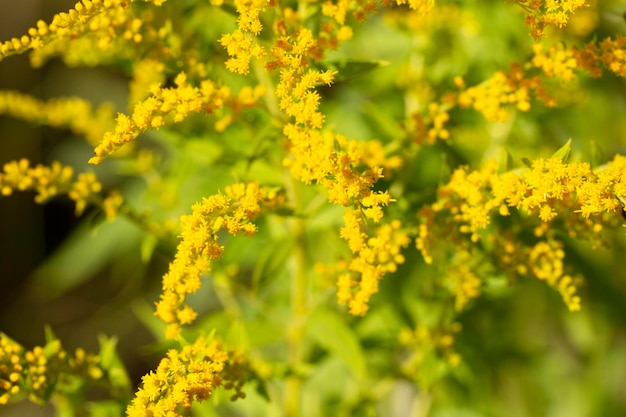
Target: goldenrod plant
x=367 y=207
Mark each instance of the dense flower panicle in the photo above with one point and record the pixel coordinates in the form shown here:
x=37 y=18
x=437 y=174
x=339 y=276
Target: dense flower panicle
x=177 y=102
x=199 y=245
x=57 y=179
x=431 y=127
x=545 y=261
x=505 y=92
x=74 y=113
x=544 y=13
x=550 y=189
x=374 y=257
x=493 y=96
x=11 y=368
x=346 y=168
x=117 y=34
x=37 y=371
x=63 y=25
x=241 y=45
x=187 y=375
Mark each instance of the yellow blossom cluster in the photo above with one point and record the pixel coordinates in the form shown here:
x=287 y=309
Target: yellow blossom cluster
x=557 y=61
x=10 y=368
x=545 y=260
x=63 y=25
x=242 y=45
x=423 y=343
x=493 y=96
x=184 y=376
x=346 y=168
x=498 y=95
x=74 y=113
x=430 y=128
x=177 y=101
x=199 y=245
x=544 y=13
x=57 y=179
x=584 y=199
x=374 y=257
x=128 y=34
x=37 y=371
x=562 y=62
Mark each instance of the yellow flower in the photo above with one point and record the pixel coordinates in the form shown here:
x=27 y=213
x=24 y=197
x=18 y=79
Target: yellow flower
x=199 y=245
x=178 y=102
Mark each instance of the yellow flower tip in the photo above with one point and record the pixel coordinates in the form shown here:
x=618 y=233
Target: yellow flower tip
x=95 y=160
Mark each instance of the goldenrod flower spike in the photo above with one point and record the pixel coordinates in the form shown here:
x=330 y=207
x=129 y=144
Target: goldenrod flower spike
x=549 y=189
x=544 y=13
x=62 y=25
x=186 y=376
x=35 y=372
x=199 y=245
x=57 y=179
x=74 y=113
x=177 y=102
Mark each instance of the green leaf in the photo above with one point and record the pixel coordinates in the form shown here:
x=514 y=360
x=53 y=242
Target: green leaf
x=564 y=152
x=509 y=161
x=148 y=244
x=332 y=333
x=597 y=154
x=527 y=162
x=107 y=351
x=50 y=336
x=52 y=348
x=111 y=363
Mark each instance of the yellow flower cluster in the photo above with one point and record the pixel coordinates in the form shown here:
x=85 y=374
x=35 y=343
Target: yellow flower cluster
x=428 y=129
x=583 y=198
x=557 y=61
x=177 y=101
x=10 y=368
x=373 y=258
x=499 y=94
x=608 y=53
x=199 y=245
x=184 y=376
x=544 y=13
x=74 y=113
x=426 y=344
x=49 y=182
x=115 y=34
x=37 y=371
x=63 y=25
x=346 y=168
x=546 y=263
x=241 y=45
x=493 y=96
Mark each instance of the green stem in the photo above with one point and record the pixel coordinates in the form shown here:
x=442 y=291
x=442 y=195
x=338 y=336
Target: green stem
x=299 y=311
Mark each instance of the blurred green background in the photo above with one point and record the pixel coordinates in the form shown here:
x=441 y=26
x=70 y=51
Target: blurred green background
x=524 y=353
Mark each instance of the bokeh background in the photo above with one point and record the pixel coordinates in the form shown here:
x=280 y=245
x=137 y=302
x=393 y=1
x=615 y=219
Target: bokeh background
x=525 y=352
